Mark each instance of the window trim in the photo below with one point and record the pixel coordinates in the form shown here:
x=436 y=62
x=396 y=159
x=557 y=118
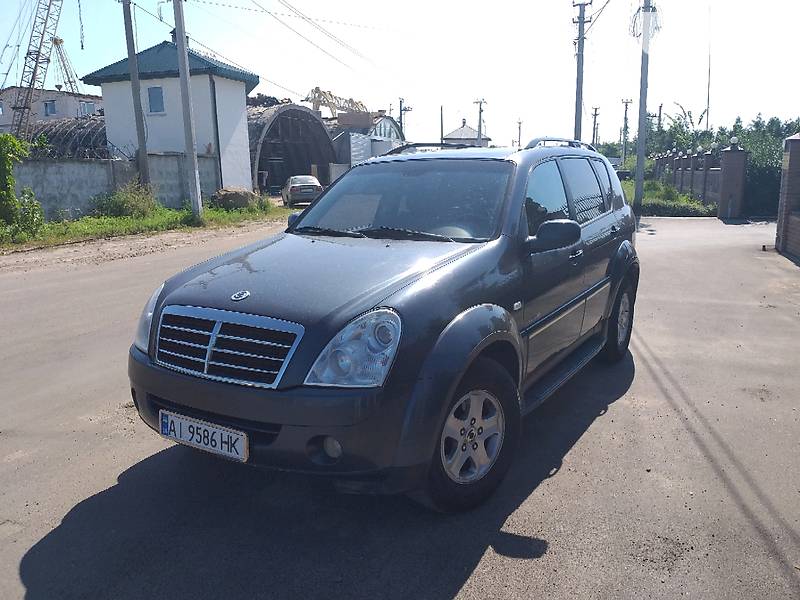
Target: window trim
x=150 y=110
x=598 y=163
x=571 y=198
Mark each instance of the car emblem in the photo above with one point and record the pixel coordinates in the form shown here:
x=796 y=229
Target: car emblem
x=240 y=295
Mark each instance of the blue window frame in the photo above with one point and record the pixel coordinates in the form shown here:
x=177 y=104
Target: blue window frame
x=155 y=99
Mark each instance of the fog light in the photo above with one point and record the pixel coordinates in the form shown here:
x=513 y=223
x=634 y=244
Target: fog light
x=332 y=447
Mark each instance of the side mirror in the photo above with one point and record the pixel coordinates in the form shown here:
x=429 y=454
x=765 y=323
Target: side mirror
x=293 y=218
x=559 y=233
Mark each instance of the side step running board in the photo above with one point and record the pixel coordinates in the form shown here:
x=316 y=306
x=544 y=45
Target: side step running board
x=560 y=374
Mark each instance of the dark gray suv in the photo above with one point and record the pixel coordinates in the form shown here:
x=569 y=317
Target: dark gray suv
x=396 y=333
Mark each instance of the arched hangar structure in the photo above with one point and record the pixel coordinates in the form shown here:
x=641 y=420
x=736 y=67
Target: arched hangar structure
x=286 y=140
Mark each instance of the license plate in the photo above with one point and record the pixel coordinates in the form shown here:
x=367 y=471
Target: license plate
x=203 y=435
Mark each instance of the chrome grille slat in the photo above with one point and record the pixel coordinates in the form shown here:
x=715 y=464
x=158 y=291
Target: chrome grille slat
x=230 y=366
x=241 y=339
x=163 y=339
x=240 y=360
x=186 y=356
x=264 y=356
x=176 y=328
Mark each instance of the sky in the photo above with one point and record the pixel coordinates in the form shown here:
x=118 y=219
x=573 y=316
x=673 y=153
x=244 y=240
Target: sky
x=517 y=55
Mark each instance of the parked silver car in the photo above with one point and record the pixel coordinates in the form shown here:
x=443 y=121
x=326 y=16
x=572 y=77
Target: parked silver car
x=300 y=188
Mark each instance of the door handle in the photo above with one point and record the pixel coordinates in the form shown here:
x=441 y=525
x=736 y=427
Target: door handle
x=614 y=230
x=576 y=255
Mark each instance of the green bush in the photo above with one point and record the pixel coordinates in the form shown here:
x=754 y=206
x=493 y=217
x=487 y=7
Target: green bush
x=30 y=217
x=669 y=193
x=663 y=200
x=131 y=200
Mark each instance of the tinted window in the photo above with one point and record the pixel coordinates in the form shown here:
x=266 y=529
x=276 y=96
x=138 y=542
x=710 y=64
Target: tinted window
x=155 y=97
x=305 y=179
x=586 y=194
x=544 y=197
x=605 y=182
x=461 y=199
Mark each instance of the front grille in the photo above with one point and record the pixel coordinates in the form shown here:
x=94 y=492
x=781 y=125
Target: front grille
x=226 y=346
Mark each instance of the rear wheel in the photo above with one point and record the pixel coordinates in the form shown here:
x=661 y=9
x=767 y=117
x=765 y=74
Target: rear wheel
x=476 y=441
x=620 y=324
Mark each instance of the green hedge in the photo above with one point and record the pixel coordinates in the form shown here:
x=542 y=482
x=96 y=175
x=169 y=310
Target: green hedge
x=663 y=200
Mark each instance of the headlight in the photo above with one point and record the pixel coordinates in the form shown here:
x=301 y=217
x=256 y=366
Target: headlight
x=361 y=354
x=142 y=339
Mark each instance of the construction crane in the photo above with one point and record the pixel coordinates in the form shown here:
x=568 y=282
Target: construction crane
x=66 y=74
x=34 y=69
x=335 y=103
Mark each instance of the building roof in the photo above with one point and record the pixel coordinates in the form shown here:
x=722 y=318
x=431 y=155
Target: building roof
x=50 y=91
x=162 y=61
x=465 y=132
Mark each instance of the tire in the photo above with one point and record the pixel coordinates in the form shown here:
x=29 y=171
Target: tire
x=489 y=384
x=617 y=337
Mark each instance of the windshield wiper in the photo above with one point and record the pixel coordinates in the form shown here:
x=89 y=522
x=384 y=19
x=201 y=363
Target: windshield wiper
x=327 y=231
x=400 y=233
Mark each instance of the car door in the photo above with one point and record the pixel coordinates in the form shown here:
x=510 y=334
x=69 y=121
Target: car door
x=553 y=278
x=592 y=196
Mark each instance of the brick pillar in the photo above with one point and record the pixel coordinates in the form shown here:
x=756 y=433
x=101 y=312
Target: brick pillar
x=790 y=190
x=706 y=166
x=675 y=166
x=692 y=167
x=733 y=165
x=686 y=165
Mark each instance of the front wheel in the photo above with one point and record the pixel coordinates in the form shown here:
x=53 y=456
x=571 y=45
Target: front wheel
x=476 y=441
x=620 y=324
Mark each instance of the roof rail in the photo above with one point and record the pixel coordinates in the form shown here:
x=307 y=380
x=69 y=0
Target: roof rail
x=542 y=141
x=413 y=146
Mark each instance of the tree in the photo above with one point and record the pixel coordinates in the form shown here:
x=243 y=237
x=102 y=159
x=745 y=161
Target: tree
x=12 y=150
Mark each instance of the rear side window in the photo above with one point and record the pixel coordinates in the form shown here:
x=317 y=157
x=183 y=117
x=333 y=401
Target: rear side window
x=605 y=182
x=545 y=198
x=586 y=193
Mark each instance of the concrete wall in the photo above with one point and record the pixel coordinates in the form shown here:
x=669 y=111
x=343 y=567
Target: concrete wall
x=67 y=106
x=65 y=187
x=168 y=178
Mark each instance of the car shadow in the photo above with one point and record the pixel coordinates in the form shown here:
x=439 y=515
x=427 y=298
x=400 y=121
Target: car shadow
x=183 y=524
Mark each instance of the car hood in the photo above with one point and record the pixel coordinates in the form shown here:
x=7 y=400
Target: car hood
x=305 y=279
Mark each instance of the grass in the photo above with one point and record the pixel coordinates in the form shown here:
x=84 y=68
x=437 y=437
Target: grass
x=159 y=219
x=662 y=200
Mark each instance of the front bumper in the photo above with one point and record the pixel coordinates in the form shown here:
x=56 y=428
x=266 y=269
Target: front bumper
x=284 y=427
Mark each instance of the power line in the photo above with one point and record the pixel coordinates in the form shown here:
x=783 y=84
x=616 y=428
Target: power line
x=289 y=27
x=282 y=14
x=595 y=16
x=320 y=28
x=212 y=51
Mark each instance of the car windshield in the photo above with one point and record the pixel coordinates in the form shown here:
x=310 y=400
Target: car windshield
x=446 y=199
x=305 y=180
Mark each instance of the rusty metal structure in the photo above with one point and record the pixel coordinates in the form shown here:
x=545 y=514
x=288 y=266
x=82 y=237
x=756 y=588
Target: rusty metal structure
x=84 y=137
x=66 y=73
x=334 y=103
x=37 y=59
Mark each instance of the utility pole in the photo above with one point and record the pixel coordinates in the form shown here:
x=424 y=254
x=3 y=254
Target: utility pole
x=519 y=133
x=138 y=115
x=193 y=177
x=625 y=131
x=581 y=21
x=595 y=110
x=441 y=124
x=641 y=135
x=480 y=104
x=403 y=110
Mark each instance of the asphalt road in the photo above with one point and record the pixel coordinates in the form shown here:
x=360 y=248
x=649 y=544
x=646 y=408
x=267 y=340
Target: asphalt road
x=674 y=473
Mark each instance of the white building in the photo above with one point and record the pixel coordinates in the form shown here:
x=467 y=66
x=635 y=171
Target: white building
x=48 y=105
x=466 y=135
x=218 y=101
